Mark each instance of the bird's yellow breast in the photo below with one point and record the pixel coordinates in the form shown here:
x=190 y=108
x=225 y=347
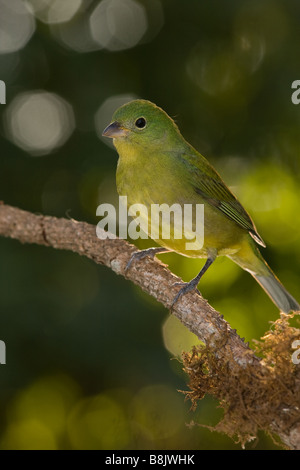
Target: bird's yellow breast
x=151 y=178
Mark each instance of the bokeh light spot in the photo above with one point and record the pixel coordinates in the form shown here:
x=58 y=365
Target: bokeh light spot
x=177 y=338
x=75 y=34
x=213 y=68
x=98 y=423
x=158 y=411
x=38 y=414
x=118 y=24
x=54 y=11
x=17 y=25
x=28 y=435
x=39 y=122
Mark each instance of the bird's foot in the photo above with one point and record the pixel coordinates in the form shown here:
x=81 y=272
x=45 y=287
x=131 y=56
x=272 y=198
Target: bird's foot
x=192 y=285
x=139 y=255
x=186 y=287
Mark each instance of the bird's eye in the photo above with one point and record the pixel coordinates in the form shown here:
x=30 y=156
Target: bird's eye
x=140 y=123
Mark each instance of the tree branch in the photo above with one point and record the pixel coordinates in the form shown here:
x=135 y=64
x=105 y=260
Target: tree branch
x=151 y=275
x=229 y=350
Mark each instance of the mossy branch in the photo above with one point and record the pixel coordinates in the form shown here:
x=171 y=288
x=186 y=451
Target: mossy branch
x=228 y=354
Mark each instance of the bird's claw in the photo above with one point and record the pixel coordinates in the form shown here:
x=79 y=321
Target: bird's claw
x=139 y=255
x=136 y=256
x=186 y=287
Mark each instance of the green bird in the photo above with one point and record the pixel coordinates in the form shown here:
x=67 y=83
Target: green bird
x=157 y=166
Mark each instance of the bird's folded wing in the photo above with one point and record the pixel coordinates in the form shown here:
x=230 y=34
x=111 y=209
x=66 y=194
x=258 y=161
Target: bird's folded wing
x=209 y=185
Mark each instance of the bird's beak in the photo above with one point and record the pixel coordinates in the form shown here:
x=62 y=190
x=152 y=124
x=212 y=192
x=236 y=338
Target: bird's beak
x=115 y=130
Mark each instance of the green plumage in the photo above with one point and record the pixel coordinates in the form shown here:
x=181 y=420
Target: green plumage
x=157 y=166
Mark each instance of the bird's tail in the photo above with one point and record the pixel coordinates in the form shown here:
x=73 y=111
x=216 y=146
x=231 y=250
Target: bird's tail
x=253 y=262
x=277 y=292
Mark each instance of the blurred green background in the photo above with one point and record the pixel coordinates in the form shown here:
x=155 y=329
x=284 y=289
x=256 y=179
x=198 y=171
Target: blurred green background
x=93 y=362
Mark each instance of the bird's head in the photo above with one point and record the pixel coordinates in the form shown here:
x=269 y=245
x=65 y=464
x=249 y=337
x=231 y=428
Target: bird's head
x=142 y=123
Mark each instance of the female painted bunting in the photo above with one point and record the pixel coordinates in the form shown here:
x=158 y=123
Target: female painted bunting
x=157 y=166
